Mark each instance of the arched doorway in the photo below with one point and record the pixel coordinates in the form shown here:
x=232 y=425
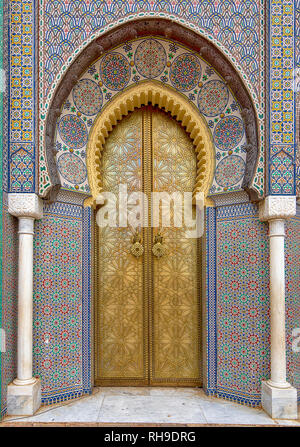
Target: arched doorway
x=182 y=106
x=148 y=302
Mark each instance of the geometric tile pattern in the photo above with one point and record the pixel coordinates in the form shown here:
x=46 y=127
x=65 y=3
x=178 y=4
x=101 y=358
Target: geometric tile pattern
x=297 y=169
x=236 y=24
x=22 y=95
x=167 y=62
x=4 y=44
x=61 y=320
x=297 y=35
x=238 y=304
x=243 y=306
x=1 y=164
x=282 y=173
x=297 y=79
x=210 y=322
x=21 y=168
x=243 y=39
x=282 y=130
x=9 y=302
x=292 y=281
x=235 y=27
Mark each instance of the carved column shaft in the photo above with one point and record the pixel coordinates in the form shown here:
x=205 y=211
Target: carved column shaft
x=277 y=303
x=25 y=285
x=279 y=398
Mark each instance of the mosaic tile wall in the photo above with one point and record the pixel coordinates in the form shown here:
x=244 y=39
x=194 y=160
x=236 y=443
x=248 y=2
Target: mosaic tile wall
x=131 y=64
x=297 y=82
x=5 y=98
x=297 y=30
x=292 y=298
x=1 y=182
x=282 y=99
x=238 y=303
x=236 y=27
x=237 y=292
x=62 y=302
x=243 y=302
x=235 y=24
x=22 y=95
x=9 y=301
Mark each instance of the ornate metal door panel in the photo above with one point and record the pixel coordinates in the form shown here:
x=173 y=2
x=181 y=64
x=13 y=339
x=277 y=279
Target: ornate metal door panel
x=148 y=310
x=121 y=309
x=175 y=307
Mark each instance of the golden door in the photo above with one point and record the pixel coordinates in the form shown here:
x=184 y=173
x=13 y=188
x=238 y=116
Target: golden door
x=148 y=307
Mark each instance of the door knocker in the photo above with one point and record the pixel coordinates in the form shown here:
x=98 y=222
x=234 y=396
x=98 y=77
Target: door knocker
x=137 y=248
x=158 y=248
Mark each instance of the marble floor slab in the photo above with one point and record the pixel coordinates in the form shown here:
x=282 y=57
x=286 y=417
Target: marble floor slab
x=151 y=405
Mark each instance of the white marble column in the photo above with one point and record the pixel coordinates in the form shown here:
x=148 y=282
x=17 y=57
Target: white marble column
x=24 y=393
x=279 y=398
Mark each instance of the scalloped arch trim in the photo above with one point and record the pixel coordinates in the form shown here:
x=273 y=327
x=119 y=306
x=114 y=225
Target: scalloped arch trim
x=164 y=97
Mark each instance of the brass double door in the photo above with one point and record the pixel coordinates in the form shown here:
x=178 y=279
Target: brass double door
x=148 y=306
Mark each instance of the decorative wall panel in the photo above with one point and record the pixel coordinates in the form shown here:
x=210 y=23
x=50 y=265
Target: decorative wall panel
x=237 y=288
x=4 y=94
x=236 y=28
x=297 y=31
x=1 y=164
x=297 y=82
x=166 y=62
x=9 y=301
x=292 y=298
x=282 y=98
x=22 y=96
x=62 y=302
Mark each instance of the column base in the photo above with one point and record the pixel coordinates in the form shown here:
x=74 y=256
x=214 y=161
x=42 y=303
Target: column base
x=23 y=400
x=279 y=403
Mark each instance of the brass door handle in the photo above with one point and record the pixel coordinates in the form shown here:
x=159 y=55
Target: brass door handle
x=137 y=248
x=158 y=248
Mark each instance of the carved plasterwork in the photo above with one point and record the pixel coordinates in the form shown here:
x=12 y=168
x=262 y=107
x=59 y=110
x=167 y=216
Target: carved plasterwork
x=277 y=207
x=25 y=205
x=169 y=100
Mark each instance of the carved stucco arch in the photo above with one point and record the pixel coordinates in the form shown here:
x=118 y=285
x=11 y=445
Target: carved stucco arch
x=151 y=92
x=154 y=27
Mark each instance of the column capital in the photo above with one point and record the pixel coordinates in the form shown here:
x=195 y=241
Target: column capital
x=25 y=205
x=277 y=207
